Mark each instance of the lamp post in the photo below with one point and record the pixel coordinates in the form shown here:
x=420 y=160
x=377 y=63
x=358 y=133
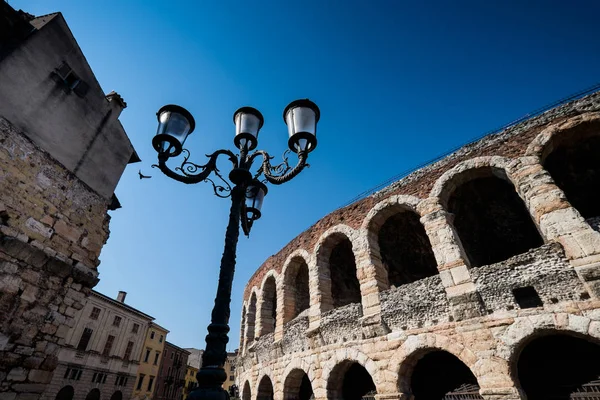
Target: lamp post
x=247 y=192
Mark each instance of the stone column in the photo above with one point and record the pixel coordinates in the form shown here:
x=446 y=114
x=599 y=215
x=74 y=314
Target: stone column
x=558 y=220
x=282 y=310
x=451 y=260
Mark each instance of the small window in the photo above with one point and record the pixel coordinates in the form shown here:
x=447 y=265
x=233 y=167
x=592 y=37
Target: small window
x=147 y=355
x=231 y=378
x=71 y=80
x=136 y=328
x=150 y=382
x=140 y=381
x=152 y=335
x=527 y=297
x=232 y=367
x=156 y=355
x=108 y=345
x=128 y=351
x=95 y=313
x=117 y=321
x=172 y=354
x=94 y=377
x=85 y=339
x=160 y=340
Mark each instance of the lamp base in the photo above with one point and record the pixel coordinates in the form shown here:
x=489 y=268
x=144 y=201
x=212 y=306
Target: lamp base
x=210 y=381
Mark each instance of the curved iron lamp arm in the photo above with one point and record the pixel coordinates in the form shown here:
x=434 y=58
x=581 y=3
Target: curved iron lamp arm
x=189 y=169
x=280 y=173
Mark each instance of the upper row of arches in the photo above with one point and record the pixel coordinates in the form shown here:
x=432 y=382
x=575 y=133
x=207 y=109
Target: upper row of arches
x=477 y=213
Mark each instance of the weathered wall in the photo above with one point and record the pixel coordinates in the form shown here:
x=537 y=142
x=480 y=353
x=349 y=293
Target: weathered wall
x=52 y=230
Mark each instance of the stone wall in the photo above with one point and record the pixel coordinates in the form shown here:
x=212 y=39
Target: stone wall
x=52 y=230
x=482 y=313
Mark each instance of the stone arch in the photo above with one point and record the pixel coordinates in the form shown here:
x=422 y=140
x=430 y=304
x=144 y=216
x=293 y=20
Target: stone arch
x=296 y=284
x=335 y=254
x=297 y=385
x=246 y=391
x=117 y=395
x=569 y=152
x=557 y=363
x=93 y=394
x=268 y=304
x=265 y=388
x=490 y=217
x=349 y=380
x=251 y=316
x=65 y=393
x=397 y=242
x=415 y=347
x=350 y=355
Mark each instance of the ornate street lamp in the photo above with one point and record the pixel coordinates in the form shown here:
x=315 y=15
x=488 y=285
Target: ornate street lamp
x=247 y=193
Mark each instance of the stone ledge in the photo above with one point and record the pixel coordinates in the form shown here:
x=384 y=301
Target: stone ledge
x=38 y=259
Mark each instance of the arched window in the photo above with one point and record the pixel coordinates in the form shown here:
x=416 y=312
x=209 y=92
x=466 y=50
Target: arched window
x=250 y=319
x=440 y=375
x=574 y=164
x=297 y=386
x=559 y=367
x=265 y=389
x=405 y=249
x=66 y=393
x=94 y=394
x=345 y=288
x=296 y=290
x=491 y=220
x=350 y=381
x=246 y=392
x=268 y=310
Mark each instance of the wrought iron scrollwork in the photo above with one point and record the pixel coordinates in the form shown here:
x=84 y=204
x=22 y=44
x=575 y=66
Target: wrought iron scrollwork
x=194 y=173
x=279 y=173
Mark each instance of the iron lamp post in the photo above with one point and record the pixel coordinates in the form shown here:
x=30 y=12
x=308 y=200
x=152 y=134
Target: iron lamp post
x=247 y=191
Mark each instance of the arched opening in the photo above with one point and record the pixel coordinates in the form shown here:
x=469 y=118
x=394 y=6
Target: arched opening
x=268 y=310
x=246 y=392
x=491 y=220
x=94 y=394
x=350 y=381
x=243 y=327
x=296 y=290
x=297 y=386
x=405 y=249
x=345 y=288
x=66 y=393
x=575 y=167
x=250 y=319
x=441 y=375
x=117 y=395
x=559 y=367
x=265 y=389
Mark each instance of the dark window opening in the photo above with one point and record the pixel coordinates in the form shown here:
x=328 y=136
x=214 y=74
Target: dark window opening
x=66 y=393
x=108 y=345
x=246 y=393
x=559 y=367
x=439 y=374
x=492 y=221
x=575 y=167
x=345 y=288
x=405 y=249
x=527 y=297
x=251 y=318
x=85 y=339
x=94 y=394
x=265 y=389
x=269 y=306
x=297 y=386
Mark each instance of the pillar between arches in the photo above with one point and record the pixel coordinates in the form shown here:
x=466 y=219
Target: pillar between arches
x=452 y=262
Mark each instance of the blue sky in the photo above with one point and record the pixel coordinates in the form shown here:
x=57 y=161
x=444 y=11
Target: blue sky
x=397 y=82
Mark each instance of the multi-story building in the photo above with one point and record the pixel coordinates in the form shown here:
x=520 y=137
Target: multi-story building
x=62 y=153
x=229 y=368
x=150 y=360
x=195 y=362
x=101 y=353
x=190 y=380
x=171 y=376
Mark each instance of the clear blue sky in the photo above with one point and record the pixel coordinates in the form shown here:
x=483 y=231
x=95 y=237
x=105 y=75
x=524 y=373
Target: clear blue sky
x=397 y=82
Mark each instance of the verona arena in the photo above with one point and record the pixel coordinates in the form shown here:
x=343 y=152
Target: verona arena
x=475 y=277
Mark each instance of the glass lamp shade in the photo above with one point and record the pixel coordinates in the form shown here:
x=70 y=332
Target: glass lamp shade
x=248 y=122
x=301 y=117
x=255 y=194
x=175 y=123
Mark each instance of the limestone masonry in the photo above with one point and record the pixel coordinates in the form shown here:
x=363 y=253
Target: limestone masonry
x=476 y=277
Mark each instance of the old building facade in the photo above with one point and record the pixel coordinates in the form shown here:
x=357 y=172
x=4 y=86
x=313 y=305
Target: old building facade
x=101 y=354
x=476 y=277
x=171 y=376
x=150 y=361
x=57 y=127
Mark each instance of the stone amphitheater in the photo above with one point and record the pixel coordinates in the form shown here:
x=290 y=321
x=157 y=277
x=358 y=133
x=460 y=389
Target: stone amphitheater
x=476 y=277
